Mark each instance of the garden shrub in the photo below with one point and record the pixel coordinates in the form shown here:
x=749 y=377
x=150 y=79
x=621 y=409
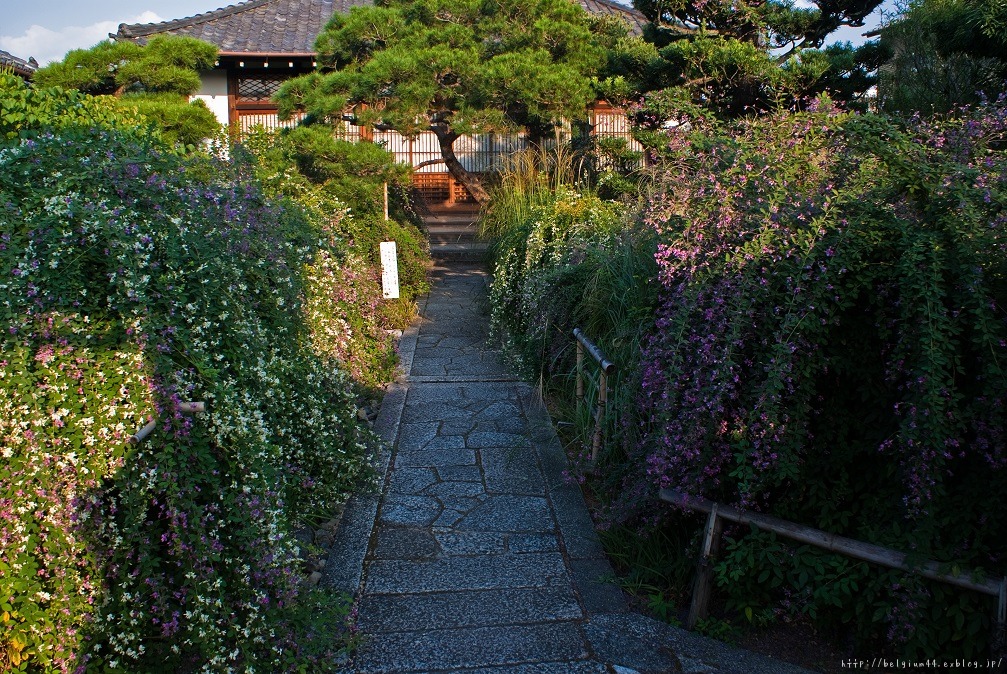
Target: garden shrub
x=324 y=176
x=540 y=274
x=829 y=347
x=155 y=79
x=28 y=109
x=565 y=259
x=826 y=347
x=132 y=280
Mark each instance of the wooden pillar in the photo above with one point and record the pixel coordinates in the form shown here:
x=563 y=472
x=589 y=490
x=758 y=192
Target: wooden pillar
x=233 y=128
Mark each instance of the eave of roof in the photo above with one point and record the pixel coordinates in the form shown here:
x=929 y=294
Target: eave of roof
x=289 y=27
x=634 y=18
x=19 y=66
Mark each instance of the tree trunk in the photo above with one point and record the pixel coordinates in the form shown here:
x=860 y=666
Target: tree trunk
x=446 y=138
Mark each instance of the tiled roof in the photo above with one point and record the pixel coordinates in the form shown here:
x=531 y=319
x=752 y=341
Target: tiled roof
x=20 y=66
x=273 y=27
x=635 y=19
x=289 y=27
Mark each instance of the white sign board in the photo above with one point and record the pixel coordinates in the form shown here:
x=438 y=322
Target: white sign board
x=389 y=270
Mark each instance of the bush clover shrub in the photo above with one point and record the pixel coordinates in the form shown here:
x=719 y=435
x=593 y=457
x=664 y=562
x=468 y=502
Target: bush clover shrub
x=829 y=344
x=131 y=280
x=825 y=345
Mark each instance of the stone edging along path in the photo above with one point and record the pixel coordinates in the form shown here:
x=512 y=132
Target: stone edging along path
x=477 y=555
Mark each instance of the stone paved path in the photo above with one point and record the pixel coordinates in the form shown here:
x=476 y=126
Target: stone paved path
x=478 y=555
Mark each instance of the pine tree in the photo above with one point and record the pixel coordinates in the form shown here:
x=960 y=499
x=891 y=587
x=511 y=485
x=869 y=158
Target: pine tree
x=457 y=67
x=155 y=79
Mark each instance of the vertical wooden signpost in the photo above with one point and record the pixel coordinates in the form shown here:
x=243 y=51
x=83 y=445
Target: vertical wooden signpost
x=389 y=270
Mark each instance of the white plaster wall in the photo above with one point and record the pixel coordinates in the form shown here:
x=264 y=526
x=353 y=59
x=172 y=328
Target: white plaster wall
x=213 y=92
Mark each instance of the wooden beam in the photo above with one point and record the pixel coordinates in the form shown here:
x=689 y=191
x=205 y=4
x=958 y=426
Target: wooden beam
x=867 y=552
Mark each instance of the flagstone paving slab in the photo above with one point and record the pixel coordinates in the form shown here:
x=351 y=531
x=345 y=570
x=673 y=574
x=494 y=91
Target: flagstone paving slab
x=479 y=555
x=404 y=612
x=448 y=649
x=466 y=573
x=583 y=667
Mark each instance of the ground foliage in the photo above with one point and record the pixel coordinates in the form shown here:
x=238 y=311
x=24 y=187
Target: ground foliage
x=828 y=348
x=132 y=279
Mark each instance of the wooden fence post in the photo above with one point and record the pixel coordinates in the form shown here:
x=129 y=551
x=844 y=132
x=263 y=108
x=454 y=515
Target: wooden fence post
x=704 y=573
x=867 y=552
x=998 y=638
x=580 y=375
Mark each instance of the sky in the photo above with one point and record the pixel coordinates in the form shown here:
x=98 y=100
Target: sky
x=47 y=29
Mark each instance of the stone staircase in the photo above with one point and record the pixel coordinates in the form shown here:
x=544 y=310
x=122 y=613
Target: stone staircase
x=453 y=232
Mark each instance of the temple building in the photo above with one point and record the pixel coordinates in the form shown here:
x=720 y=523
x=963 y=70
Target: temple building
x=264 y=42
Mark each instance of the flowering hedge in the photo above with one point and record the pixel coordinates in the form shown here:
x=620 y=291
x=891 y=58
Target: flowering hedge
x=539 y=273
x=132 y=280
x=323 y=176
x=829 y=347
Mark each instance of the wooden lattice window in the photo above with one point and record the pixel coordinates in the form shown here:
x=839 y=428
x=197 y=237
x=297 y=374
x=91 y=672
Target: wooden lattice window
x=259 y=89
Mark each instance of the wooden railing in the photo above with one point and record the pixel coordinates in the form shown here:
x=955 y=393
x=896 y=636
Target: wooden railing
x=867 y=552
x=606 y=368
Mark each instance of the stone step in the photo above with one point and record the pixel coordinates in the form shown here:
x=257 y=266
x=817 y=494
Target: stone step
x=468 y=209
x=453 y=234
x=459 y=252
x=450 y=219
x=470 y=228
x=461 y=237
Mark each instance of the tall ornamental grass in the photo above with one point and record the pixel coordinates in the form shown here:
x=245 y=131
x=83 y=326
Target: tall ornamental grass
x=565 y=258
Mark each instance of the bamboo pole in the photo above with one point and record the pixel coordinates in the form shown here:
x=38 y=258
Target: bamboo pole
x=141 y=434
x=596 y=353
x=580 y=376
x=599 y=417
